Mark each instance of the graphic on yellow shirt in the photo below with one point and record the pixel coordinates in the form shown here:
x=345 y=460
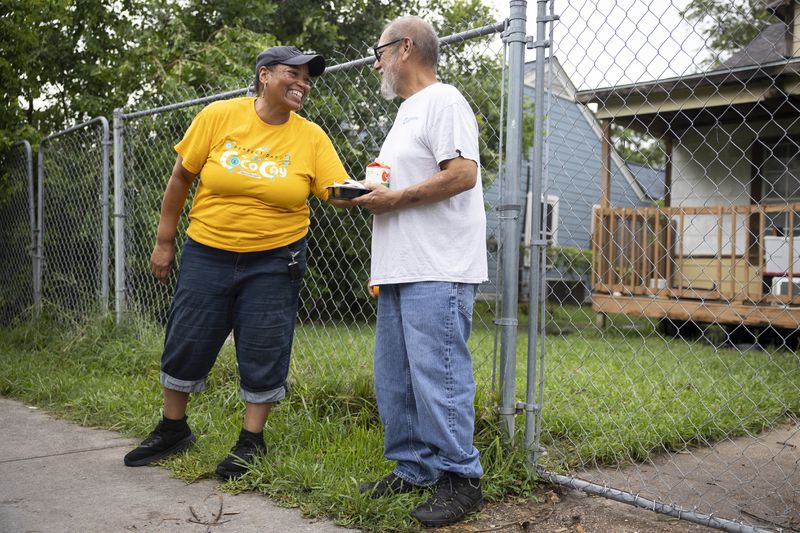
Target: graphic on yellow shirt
x=258 y=165
x=254 y=177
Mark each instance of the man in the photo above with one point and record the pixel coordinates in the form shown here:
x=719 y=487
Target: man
x=428 y=257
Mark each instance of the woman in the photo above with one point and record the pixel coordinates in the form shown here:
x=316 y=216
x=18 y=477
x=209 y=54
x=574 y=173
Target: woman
x=244 y=258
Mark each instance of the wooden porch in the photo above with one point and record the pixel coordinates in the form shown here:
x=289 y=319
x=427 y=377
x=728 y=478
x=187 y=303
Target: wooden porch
x=720 y=264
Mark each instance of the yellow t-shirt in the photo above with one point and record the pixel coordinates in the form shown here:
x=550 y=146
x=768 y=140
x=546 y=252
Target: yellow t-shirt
x=255 y=177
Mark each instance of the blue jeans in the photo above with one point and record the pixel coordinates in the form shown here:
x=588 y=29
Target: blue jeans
x=250 y=293
x=423 y=379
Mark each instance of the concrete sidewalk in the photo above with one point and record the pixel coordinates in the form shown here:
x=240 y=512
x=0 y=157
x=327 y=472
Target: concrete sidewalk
x=60 y=477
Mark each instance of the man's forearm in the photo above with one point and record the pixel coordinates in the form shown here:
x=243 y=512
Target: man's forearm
x=438 y=187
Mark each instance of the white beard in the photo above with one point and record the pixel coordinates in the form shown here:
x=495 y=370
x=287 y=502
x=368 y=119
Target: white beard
x=388 y=82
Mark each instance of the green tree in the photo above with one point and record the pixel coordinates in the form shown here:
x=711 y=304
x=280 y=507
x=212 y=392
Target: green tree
x=204 y=46
x=63 y=61
x=638 y=147
x=141 y=53
x=727 y=25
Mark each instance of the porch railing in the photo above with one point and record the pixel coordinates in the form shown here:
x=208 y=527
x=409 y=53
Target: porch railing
x=742 y=253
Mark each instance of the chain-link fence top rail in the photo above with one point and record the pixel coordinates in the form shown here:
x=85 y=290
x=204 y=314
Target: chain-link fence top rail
x=17 y=223
x=689 y=393
x=336 y=312
x=73 y=190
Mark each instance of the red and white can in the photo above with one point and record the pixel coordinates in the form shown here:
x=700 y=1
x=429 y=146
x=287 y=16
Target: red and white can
x=377 y=174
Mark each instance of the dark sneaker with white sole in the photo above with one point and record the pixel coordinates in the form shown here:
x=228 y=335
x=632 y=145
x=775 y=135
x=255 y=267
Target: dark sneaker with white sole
x=388 y=486
x=237 y=462
x=168 y=438
x=453 y=498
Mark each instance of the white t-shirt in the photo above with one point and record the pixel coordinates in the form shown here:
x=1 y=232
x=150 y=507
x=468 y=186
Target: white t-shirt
x=446 y=240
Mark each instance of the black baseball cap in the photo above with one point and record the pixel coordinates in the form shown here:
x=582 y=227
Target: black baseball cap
x=289 y=55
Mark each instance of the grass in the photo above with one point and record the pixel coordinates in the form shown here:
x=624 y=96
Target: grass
x=610 y=397
x=621 y=398
x=324 y=439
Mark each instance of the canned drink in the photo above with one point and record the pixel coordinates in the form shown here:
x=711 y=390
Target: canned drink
x=377 y=174
x=373 y=290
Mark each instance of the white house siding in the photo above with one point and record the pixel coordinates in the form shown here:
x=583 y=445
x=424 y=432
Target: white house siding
x=712 y=167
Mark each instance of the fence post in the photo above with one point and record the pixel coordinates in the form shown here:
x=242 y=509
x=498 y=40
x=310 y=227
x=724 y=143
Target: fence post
x=537 y=270
x=31 y=208
x=119 y=216
x=515 y=37
x=104 y=260
x=39 y=251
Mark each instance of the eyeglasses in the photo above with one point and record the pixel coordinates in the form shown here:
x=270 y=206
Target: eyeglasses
x=379 y=54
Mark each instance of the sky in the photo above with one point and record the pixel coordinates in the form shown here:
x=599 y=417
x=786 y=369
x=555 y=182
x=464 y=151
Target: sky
x=602 y=43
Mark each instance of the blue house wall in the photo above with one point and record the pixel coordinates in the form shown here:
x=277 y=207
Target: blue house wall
x=572 y=175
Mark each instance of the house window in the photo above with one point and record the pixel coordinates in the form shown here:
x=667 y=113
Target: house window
x=781 y=172
x=781 y=182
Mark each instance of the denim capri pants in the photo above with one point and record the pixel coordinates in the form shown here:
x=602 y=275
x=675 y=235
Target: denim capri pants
x=252 y=294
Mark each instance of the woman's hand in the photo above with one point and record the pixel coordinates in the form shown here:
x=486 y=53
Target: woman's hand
x=161 y=261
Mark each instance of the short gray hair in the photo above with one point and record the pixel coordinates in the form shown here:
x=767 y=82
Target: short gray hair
x=419 y=31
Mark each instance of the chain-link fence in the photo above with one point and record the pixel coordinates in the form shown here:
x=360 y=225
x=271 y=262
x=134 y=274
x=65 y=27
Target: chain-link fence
x=73 y=219
x=659 y=259
x=336 y=317
x=17 y=224
x=677 y=389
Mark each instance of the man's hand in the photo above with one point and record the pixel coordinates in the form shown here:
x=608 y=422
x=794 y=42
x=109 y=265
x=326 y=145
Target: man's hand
x=161 y=261
x=380 y=200
x=456 y=176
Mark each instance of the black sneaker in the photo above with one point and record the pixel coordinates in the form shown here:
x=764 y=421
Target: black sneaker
x=248 y=445
x=453 y=499
x=169 y=437
x=388 y=486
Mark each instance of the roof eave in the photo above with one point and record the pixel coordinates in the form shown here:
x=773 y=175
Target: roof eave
x=718 y=78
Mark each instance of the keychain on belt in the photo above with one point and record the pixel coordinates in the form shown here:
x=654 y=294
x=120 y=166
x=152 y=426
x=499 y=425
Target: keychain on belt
x=294 y=267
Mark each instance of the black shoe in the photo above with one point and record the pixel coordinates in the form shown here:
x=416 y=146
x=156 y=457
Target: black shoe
x=169 y=437
x=388 y=486
x=236 y=464
x=453 y=499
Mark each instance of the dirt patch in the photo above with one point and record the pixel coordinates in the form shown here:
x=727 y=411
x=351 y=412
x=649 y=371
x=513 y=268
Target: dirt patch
x=755 y=480
x=560 y=510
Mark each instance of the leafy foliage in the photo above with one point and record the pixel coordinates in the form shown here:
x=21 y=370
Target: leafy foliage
x=570 y=259
x=148 y=53
x=63 y=61
x=728 y=25
x=638 y=147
